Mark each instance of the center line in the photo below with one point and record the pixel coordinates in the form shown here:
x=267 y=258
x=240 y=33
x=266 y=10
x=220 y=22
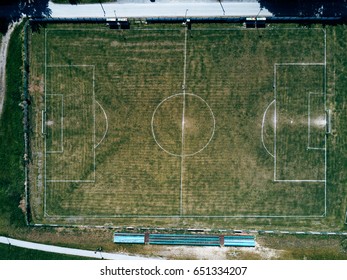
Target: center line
x=183 y=115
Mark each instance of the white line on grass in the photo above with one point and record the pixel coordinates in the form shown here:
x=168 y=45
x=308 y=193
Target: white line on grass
x=45 y=144
x=106 y=130
x=309 y=122
x=183 y=115
x=262 y=129
x=71 y=181
x=227 y=216
x=298 y=181
x=275 y=120
x=313 y=148
x=61 y=125
x=300 y=64
x=275 y=95
x=94 y=123
x=185 y=216
x=68 y=65
x=42 y=122
x=325 y=108
x=248 y=29
x=45 y=140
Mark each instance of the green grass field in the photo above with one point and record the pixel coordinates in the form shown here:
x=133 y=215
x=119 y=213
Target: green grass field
x=15 y=253
x=213 y=127
x=11 y=139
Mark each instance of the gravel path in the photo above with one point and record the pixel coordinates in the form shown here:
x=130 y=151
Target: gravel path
x=69 y=251
x=3 y=55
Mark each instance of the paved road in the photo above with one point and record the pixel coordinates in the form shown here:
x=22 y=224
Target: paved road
x=68 y=251
x=161 y=8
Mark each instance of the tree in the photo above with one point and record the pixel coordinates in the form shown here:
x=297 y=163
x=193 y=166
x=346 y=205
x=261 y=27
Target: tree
x=13 y=10
x=311 y=8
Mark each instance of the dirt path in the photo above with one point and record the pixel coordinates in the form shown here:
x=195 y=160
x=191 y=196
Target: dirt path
x=70 y=251
x=3 y=55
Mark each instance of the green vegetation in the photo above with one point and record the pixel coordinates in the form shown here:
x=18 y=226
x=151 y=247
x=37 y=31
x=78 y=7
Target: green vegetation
x=8 y=252
x=306 y=247
x=11 y=139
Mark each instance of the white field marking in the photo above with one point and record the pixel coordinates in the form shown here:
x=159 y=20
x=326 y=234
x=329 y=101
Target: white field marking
x=61 y=125
x=275 y=95
x=253 y=29
x=309 y=122
x=178 y=155
x=300 y=64
x=68 y=66
x=275 y=120
x=262 y=129
x=94 y=122
x=45 y=144
x=201 y=29
x=43 y=121
x=183 y=115
x=212 y=134
x=106 y=130
x=298 y=181
x=325 y=47
x=71 y=181
x=325 y=108
x=185 y=216
x=152 y=124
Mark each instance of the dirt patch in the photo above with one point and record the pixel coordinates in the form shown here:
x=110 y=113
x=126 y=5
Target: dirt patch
x=194 y=253
x=36 y=85
x=218 y=253
x=22 y=205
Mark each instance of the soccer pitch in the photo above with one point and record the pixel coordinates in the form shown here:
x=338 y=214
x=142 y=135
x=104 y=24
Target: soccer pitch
x=170 y=126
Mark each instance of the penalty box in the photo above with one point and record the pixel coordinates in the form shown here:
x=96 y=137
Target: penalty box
x=69 y=121
x=300 y=122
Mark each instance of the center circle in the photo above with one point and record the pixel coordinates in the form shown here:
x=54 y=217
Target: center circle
x=183 y=124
